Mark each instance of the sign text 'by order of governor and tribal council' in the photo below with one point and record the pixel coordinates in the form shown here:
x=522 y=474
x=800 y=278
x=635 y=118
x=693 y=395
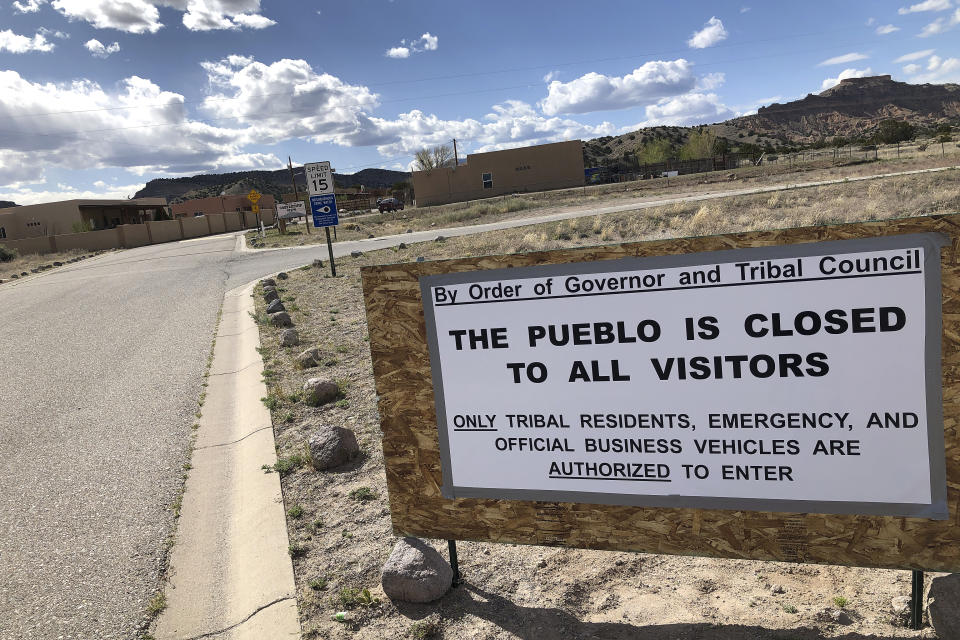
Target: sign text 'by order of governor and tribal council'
x=793 y=378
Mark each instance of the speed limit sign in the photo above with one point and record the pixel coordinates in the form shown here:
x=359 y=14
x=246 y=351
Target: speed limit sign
x=319 y=178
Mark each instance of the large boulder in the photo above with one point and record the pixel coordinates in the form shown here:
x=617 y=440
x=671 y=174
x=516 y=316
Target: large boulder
x=318 y=391
x=270 y=296
x=282 y=275
x=415 y=572
x=944 y=607
x=289 y=338
x=281 y=319
x=275 y=307
x=268 y=282
x=309 y=358
x=332 y=446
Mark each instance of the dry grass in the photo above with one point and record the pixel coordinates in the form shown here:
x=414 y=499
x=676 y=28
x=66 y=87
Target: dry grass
x=25 y=264
x=541 y=203
x=533 y=592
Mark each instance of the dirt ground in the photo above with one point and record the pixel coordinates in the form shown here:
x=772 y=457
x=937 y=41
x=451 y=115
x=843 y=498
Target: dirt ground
x=16 y=268
x=339 y=521
x=542 y=203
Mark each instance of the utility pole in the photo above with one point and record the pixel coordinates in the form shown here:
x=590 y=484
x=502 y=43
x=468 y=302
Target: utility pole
x=456 y=158
x=296 y=194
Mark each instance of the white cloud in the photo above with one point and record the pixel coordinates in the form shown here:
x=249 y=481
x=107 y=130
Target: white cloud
x=712 y=33
x=426 y=42
x=885 y=29
x=939 y=70
x=844 y=59
x=711 y=81
x=596 y=92
x=100 y=184
x=14 y=43
x=927 y=5
x=53 y=34
x=142 y=16
x=911 y=68
x=916 y=55
x=98 y=50
x=940 y=25
x=688 y=109
x=744 y=9
x=843 y=75
x=28 y=6
x=24 y=196
x=871 y=22
x=550 y=76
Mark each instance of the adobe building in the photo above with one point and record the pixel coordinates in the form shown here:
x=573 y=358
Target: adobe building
x=221 y=204
x=539 y=168
x=68 y=216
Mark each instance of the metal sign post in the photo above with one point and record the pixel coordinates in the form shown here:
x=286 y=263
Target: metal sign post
x=323 y=202
x=254 y=198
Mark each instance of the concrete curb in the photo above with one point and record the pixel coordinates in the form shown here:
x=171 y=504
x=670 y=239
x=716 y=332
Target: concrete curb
x=230 y=575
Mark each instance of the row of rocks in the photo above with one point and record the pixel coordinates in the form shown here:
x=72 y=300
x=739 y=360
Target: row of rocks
x=52 y=265
x=415 y=571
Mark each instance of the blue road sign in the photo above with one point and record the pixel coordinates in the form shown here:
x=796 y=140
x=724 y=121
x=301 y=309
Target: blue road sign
x=324 y=210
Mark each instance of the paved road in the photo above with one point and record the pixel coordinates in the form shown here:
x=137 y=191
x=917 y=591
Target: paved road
x=101 y=366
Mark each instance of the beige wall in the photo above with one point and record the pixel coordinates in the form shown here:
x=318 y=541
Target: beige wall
x=90 y=241
x=134 y=235
x=232 y=221
x=29 y=245
x=538 y=168
x=220 y=204
x=195 y=227
x=216 y=222
x=165 y=231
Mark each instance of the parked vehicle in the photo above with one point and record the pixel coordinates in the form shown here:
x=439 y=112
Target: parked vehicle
x=390 y=204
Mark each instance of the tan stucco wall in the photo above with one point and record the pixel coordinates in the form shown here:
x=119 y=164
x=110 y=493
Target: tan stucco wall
x=134 y=235
x=29 y=245
x=216 y=222
x=165 y=231
x=195 y=227
x=90 y=241
x=538 y=168
x=220 y=204
x=232 y=220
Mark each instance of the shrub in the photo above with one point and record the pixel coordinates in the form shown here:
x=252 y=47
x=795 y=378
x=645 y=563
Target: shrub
x=6 y=255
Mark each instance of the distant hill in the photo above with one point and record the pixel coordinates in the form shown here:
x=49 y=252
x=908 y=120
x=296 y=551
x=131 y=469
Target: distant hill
x=274 y=183
x=853 y=109
x=6 y=203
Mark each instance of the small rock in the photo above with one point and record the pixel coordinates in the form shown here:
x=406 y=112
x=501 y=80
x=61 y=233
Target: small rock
x=420 y=259
x=542 y=564
x=356 y=254
x=309 y=358
x=275 y=306
x=415 y=572
x=268 y=282
x=318 y=263
x=332 y=446
x=24 y=273
x=409 y=230
x=318 y=391
x=944 y=607
x=369 y=235
x=270 y=296
x=402 y=245
x=433 y=224
x=289 y=338
x=282 y=275
x=901 y=604
x=440 y=239
x=777 y=588
x=281 y=319
x=58 y=264
x=840 y=616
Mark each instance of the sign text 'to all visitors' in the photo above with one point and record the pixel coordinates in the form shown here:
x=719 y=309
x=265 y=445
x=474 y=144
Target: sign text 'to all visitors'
x=793 y=378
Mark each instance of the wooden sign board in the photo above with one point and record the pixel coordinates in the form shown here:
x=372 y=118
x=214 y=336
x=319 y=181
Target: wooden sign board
x=785 y=395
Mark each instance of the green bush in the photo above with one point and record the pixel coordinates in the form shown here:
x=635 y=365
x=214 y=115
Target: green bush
x=6 y=255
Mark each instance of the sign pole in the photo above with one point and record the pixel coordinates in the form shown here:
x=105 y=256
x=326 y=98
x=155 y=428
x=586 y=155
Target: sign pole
x=454 y=564
x=333 y=266
x=916 y=600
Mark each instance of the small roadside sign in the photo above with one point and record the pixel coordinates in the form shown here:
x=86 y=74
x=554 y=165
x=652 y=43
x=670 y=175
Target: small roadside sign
x=255 y=208
x=253 y=196
x=323 y=202
x=323 y=208
x=319 y=178
x=289 y=210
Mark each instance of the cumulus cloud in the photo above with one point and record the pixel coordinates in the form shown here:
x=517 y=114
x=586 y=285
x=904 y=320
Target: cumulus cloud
x=426 y=42
x=843 y=75
x=142 y=16
x=927 y=5
x=711 y=81
x=596 y=92
x=915 y=55
x=941 y=25
x=711 y=33
x=911 y=68
x=688 y=109
x=15 y=43
x=53 y=34
x=885 y=29
x=844 y=59
x=28 y=6
x=98 y=50
x=939 y=70
x=102 y=190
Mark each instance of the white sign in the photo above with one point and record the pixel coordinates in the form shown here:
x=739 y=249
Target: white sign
x=287 y=210
x=319 y=178
x=800 y=378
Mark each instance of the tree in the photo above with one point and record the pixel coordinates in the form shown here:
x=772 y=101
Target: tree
x=654 y=151
x=699 y=144
x=435 y=158
x=895 y=131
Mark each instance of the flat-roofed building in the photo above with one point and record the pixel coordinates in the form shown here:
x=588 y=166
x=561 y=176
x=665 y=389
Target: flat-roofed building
x=539 y=168
x=70 y=216
x=221 y=204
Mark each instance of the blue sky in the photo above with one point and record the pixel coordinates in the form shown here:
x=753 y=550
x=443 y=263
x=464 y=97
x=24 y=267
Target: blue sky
x=99 y=96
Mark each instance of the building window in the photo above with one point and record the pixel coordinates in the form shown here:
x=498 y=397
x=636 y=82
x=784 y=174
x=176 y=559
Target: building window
x=3 y=232
x=487 y=180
